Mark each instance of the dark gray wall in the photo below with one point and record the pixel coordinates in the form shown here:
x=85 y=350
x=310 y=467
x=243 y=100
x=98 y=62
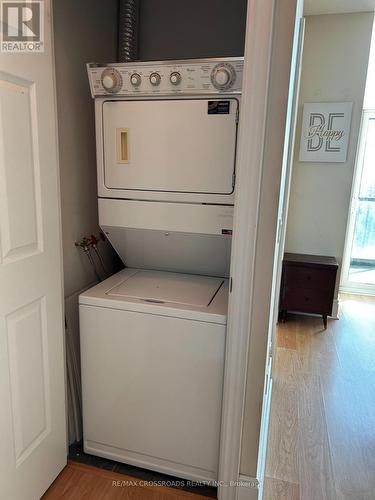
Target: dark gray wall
x=175 y=29
x=84 y=31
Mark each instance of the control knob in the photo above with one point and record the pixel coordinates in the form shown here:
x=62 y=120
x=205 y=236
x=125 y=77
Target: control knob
x=155 y=79
x=223 y=76
x=135 y=79
x=111 y=80
x=175 y=78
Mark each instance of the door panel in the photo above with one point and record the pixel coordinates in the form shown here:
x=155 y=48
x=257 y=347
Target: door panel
x=19 y=169
x=28 y=374
x=168 y=145
x=32 y=393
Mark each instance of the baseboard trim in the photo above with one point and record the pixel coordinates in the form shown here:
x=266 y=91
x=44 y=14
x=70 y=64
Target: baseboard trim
x=335 y=309
x=248 y=488
x=163 y=466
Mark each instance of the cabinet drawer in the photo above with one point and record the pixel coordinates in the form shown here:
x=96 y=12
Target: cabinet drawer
x=310 y=277
x=307 y=300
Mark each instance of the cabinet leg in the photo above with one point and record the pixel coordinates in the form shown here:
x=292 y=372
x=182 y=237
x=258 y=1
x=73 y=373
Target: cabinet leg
x=283 y=316
x=325 y=321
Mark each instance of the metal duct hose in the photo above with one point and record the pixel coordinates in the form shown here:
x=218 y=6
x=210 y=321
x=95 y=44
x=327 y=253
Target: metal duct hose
x=128 y=30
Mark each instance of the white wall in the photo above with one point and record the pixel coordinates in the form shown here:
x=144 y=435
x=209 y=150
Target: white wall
x=85 y=31
x=369 y=102
x=334 y=69
x=314 y=7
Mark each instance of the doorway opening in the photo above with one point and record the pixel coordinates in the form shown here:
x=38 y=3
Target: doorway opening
x=359 y=263
x=315 y=364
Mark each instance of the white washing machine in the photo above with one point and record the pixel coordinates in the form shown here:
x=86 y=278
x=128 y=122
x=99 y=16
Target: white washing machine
x=153 y=347
x=153 y=335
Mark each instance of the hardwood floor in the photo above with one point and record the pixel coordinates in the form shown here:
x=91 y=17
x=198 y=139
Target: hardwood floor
x=322 y=426
x=85 y=482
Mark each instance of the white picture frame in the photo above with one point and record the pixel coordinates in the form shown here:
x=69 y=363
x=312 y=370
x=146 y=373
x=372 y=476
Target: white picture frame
x=325 y=132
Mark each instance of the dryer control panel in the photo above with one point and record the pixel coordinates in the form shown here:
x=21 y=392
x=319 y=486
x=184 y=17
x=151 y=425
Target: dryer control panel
x=198 y=76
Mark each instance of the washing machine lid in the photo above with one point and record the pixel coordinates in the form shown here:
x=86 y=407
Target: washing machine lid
x=164 y=287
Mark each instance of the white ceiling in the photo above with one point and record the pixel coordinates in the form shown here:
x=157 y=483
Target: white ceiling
x=314 y=7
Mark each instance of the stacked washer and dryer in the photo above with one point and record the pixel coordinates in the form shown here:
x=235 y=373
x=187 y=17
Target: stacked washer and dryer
x=153 y=335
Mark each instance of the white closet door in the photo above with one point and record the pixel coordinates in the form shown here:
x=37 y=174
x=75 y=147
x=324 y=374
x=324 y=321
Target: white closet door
x=32 y=393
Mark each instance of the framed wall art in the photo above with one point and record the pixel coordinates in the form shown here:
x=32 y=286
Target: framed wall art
x=325 y=131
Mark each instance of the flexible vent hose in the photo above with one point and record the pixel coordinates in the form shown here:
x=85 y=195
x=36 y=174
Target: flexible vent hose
x=128 y=30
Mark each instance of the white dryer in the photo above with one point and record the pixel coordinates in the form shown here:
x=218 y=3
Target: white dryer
x=167 y=131
x=153 y=348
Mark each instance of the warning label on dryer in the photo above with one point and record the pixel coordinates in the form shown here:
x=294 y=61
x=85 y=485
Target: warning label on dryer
x=218 y=107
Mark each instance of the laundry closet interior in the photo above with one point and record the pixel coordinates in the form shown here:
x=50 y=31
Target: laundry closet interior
x=148 y=132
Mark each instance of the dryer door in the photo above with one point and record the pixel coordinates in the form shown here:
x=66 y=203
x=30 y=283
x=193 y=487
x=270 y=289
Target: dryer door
x=178 y=146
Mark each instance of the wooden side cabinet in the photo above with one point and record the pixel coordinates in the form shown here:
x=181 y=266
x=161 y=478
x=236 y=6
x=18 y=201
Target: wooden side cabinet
x=308 y=284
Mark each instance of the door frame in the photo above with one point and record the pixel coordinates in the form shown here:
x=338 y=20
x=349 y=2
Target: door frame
x=252 y=128
x=242 y=341
x=345 y=284
x=280 y=237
